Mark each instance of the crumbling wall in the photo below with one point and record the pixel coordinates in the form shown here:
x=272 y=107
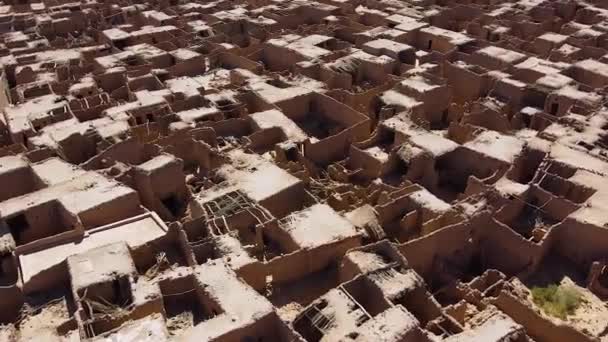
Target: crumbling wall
x=46 y=220
x=119 y=208
x=19 y=182
x=296 y=265
x=12 y=302
x=570 y=235
x=503 y=249
x=296 y=108
x=451 y=242
x=371 y=167
x=129 y=151
x=48 y=279
x=475 y=83
x=268 y=327
x=541 y=329
x=330 y=149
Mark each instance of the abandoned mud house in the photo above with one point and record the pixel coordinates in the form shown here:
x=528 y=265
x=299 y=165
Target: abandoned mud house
x=289 y=170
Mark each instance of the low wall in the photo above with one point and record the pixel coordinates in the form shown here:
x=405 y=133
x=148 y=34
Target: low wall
x=444 y=243
x=297 y=265
x=542 y=330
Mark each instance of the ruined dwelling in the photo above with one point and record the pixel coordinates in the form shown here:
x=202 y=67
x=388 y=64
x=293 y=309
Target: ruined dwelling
x=311 y=171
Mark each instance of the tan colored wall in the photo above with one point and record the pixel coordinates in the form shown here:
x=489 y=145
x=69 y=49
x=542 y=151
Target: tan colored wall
x=280 y=236
x=266 y=139
x=445 y=243
x=278 y=58
x=18 y=182
x=371 y=167
x=115 y=210
x=12 y=301
x=46 y=220
x=269 y=327
x=488 y=118
x=47 y=279
x=296 y=108
x=78 y=148
x=191 y=67
x=5 y=98
x=128 y=151
x=294 y=266
x=570 y=235
x=168 y=180
x=588 y=77
x=438 y=43
x=470 y=85
x=228 y=127
x=505 y=250
x=338 y=112
x=285 y=201
x=330 y=149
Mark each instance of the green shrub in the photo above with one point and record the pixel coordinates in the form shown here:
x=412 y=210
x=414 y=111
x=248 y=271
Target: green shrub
x=558 y=301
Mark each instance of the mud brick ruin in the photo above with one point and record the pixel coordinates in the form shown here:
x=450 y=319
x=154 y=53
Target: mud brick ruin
x=304 y=170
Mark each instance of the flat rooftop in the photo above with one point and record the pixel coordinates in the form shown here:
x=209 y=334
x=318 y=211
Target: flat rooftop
x=135 y=232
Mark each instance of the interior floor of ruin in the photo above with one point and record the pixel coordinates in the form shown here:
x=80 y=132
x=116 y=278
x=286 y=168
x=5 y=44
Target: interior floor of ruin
x=304 y=170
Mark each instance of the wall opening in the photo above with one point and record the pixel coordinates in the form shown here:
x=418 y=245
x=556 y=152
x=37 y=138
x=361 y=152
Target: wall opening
x=17 y=225
x=554 y=108
x=172 y=204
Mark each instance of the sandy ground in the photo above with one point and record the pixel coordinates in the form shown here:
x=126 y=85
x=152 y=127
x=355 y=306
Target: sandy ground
x=591 y=317
x=43 y=326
